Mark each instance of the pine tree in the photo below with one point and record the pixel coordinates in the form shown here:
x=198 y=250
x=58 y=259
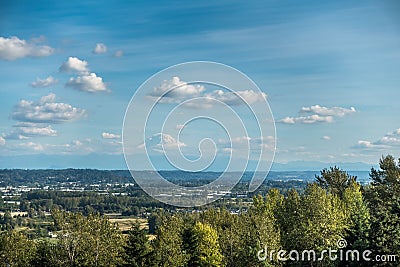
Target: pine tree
x=137 y=248
x=383 y=197
x=335 y=180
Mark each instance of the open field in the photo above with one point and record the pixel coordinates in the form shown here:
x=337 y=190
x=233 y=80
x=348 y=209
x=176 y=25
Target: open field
x=124 y=224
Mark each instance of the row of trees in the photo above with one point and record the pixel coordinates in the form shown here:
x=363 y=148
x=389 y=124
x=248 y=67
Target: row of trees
x=333 y=208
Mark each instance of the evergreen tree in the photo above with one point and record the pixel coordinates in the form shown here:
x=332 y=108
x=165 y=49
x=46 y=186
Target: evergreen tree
x=137 y=248
x=335 y=180
x=168 y=246
x=383 y=196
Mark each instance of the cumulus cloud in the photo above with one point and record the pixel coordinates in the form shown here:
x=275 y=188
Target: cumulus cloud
x=176 y=91
x=74 y=64
x=307 y=119
x=324 y=111
x=110 y=136
x=2 y=141
x=318 y=114
x=86 y=81
x=89 y=83
x=46 y=110
x=100 y=48
x=118 y=53
x=389 y=140
x=13 y=48
x=49 y=81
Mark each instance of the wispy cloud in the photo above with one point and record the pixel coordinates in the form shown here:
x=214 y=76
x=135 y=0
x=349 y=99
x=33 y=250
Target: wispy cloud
x=389 y=140
x=100 y=48
x=324 y=111
x=27 y=130
x=49 y=81
x=118 y=53
x=319 y=114
x=160 y=141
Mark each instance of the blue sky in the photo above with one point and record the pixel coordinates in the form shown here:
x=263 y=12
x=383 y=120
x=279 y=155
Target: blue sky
x=329 y=69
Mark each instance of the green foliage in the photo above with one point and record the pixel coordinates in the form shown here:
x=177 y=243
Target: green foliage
x=383 y=196
x=335 y=180
x=168 y=246
x=88 y=241
x=314 y=220
x=137 y=247
x=358 y=216
x=333 y=207
x=204 y=249
x=16 y=249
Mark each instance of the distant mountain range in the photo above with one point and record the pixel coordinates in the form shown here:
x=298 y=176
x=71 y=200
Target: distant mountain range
x=98 y=161
x=317 y=165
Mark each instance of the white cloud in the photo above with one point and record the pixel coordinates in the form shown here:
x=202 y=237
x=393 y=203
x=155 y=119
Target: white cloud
x=31 y=145
x=369 y=145
x=74 y=64
x=159 y=141
x=118 y=53
x=389 y=140
x=246 y=142
x=44 y=82
x=319 y=114
x=13 y=48
x=89 y=83
x=2 y=141
x=181 y=91
x=326 y=137
x=86 y=81
x=177 y=91
x=307 y=119
x=26 y=130
x=237 y=98
x=324 y=111
x=100 y=48
x=46 y=110
x=110 y=136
